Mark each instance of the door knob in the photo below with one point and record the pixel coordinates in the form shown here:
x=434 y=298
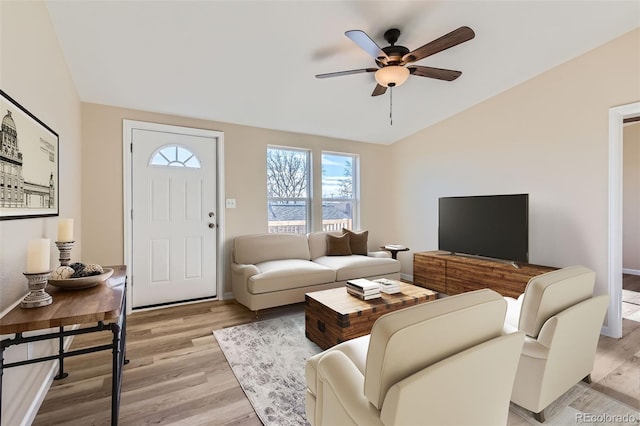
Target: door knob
x=212 y=225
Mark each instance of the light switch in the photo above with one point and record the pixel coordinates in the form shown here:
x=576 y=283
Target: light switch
x=231 y=203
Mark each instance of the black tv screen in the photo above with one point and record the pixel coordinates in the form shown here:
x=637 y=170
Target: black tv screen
x=495 y=226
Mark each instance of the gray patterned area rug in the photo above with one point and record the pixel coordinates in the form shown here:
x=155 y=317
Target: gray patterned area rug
x=268 y=359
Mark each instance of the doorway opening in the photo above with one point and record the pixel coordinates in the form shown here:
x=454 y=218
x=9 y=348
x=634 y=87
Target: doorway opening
x=617 y=115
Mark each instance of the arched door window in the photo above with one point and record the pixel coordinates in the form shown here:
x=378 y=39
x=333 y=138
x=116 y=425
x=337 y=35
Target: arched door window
x=174 y=156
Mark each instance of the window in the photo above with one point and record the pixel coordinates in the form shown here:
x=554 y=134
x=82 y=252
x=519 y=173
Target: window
x=288 y=190
x=339 y=191
x=174 y=156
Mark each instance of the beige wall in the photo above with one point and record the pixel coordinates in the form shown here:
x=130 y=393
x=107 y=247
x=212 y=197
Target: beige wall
x=547 y=137
x=34 y=73
x=245 y=178
x=631 y=201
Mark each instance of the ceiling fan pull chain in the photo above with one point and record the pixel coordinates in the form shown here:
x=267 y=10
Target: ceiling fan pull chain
x=391 y=106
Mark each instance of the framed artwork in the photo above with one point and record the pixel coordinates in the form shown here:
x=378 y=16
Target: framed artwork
x=29 y=168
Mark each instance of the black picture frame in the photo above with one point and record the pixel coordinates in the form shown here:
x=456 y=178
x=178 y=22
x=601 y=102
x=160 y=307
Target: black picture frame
x=29 y=164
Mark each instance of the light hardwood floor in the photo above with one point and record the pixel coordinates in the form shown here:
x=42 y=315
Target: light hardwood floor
x=631 y=282
x=178 y=375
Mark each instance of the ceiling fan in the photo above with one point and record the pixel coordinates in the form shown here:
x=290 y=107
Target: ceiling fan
x=391 y=60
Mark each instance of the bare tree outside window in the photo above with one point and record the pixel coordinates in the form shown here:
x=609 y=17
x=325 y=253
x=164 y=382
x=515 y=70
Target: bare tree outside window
x=288 y=194
x=286 y=173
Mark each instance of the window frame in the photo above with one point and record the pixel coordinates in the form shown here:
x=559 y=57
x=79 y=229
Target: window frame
x=309 y=190
x=355 y=187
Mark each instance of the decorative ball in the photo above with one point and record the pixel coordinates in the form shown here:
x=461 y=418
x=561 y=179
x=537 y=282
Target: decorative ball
x=62 y=273
x=93 y=269
x=78 y=267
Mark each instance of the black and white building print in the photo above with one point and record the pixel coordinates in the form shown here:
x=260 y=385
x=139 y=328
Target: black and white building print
x=15 y=192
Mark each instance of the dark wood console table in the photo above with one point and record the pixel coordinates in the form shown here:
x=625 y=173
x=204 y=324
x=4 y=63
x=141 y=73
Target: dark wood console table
x=104 y=304
x=452 y=274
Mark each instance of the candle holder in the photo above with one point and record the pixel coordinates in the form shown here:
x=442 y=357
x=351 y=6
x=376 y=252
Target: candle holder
x=37 y=296
x=65 y=251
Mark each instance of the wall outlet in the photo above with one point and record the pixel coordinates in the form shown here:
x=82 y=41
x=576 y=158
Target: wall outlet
x=231 y=203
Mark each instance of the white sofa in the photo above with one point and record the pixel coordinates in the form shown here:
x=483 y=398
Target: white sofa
x=270 y=270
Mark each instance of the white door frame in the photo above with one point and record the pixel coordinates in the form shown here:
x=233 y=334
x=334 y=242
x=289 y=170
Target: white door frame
x=127 y=131
x=614 y=314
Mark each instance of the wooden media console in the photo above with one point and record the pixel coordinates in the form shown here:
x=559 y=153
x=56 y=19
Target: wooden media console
x=453 y=274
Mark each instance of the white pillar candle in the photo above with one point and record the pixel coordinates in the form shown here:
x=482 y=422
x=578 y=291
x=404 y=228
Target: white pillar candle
x=65 y=230
x=38 y=257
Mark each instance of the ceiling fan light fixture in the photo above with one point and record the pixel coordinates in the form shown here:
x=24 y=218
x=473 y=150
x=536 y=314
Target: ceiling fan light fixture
x=392 y=75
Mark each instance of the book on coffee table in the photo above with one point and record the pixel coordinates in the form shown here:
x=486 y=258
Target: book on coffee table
x=361 y=296
x=363 y=288
x=361 y=291
x=363 y=284
x=388 y=286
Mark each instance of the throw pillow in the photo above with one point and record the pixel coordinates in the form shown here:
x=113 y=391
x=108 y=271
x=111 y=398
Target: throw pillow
x=357 y=241
x=338 y=245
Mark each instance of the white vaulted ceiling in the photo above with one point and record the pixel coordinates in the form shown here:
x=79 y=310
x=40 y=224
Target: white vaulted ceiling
x=253 y=63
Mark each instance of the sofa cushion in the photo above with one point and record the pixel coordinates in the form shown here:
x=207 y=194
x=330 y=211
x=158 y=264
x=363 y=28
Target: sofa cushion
x=256 y=248
x=357 y=241
x=276 y=275
x=318 y=243
x=338 y=245
x=356 y=266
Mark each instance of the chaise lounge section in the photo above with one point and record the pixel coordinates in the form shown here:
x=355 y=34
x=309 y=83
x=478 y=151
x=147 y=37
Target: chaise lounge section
x=271 y=270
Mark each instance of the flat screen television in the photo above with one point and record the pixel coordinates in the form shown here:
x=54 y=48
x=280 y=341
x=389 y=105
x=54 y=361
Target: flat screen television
x=494 y=226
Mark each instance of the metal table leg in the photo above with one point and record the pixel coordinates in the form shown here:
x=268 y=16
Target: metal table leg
x=61 y=373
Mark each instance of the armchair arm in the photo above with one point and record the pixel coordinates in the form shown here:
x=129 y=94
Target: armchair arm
x=341 y=396
x=534 y=349
x=576 y=326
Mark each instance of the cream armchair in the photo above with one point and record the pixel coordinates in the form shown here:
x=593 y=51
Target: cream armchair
x=442 y=362
x=562 y=322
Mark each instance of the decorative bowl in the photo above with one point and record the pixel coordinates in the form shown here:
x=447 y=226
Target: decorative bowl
x=82 y=282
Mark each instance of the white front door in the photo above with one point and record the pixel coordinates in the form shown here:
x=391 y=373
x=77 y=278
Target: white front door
x=174 y=217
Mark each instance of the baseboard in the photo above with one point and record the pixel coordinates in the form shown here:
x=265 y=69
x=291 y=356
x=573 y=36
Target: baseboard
x=604 y=330
x=31 y=410
x=631 y=271
x=406 y=277
x=34 y=407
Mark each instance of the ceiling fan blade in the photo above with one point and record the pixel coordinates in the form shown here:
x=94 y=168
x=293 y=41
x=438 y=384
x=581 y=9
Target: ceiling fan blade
x=339 y=73
x=379 y=90
x=367 y=44
x=447 y=41
x=439 y=73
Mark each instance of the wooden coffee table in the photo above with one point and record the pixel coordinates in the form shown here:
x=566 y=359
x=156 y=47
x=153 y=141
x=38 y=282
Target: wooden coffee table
x=333 y=316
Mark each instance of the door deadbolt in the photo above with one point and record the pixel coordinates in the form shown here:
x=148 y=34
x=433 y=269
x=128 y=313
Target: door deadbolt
x=211 y=214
